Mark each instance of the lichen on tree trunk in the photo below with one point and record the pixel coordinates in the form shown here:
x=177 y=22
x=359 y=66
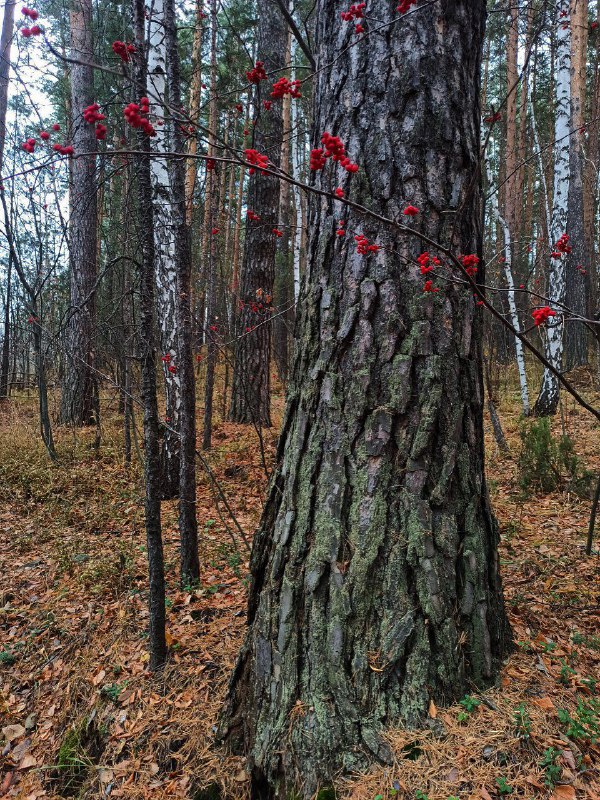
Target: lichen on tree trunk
x=375 y=583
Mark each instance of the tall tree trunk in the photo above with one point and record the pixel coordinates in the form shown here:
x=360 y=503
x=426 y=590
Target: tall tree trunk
x=297 y=175
x=577 y=270
x=211 y=211
x=188 y=525
x=283 y=276
x=511 y=200
x=547 y=401
x=195 y=95
x=375 y=582
x=5 y=361
x=8 y=24
x=5 y=47
x=156 y=592
x=80 y=387
x=512 y=306
x=591 y=171
x=164 y=249
x=251 y=384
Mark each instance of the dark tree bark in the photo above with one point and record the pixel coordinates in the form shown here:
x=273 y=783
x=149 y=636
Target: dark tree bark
x=5 y=48
x=577 y=267
x=251 y=395
x=188 y=525
x=80 y=388
x=154 y=544
x=375 y=582
x=5 y=358
x=210 y=252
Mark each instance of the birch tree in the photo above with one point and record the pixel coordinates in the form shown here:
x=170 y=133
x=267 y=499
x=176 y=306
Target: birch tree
x=547 y=401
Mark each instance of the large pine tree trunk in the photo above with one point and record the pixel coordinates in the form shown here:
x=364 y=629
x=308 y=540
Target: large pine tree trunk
x=547 y=401
x=251 y=395
x=375 y=582
x=79 y=395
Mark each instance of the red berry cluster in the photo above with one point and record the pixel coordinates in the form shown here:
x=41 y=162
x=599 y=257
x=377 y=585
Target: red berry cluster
x=29 y=145
x=340 y=229
x=256 y=158
x=411 y=211
x=252 y=216
x=470 y=264
x=429 y=287
x=215 y=231
x=283 y=86
x=562 y=247
x=277 y=233
x=91 y=115
x=334 y=147
x=405 y=6
x=133 y=114
x=427 y=262
x=257 y=73
x=354 y=12
x=363 y=247
x=210 y=164
x=540 y=315
x=123 y=50
x=239 y=108
x=64 y=149
x=318 y=159
x=267 y=104
x=35 y=30
x=339 y=192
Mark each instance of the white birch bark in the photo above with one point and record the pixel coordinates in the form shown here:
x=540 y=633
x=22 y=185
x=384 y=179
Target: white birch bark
x=296 y=174
x=164 y=242
x=547 y=401
x=512 y=305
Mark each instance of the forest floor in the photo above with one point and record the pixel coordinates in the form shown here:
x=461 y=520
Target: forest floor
x=81 y=716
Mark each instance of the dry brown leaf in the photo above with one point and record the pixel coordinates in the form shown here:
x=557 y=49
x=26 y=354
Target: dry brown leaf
x=563 y=793
x=12 y=732
x=28 y=762
x=544 y=702
x=97 y=679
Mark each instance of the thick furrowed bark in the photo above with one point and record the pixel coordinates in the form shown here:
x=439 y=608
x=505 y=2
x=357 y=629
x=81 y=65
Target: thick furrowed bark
x=375 y=582
x=251 y=393
x=80 y=388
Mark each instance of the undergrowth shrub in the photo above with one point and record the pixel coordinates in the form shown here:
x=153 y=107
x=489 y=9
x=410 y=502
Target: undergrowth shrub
x=548 y=464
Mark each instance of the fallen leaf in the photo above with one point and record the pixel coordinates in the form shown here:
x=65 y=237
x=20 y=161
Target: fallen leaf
x=12 y=732
x=432 y=709
x=563 y=793
x=106 y=775
x=544 y=702
x=97 y=679
x=28 y=761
